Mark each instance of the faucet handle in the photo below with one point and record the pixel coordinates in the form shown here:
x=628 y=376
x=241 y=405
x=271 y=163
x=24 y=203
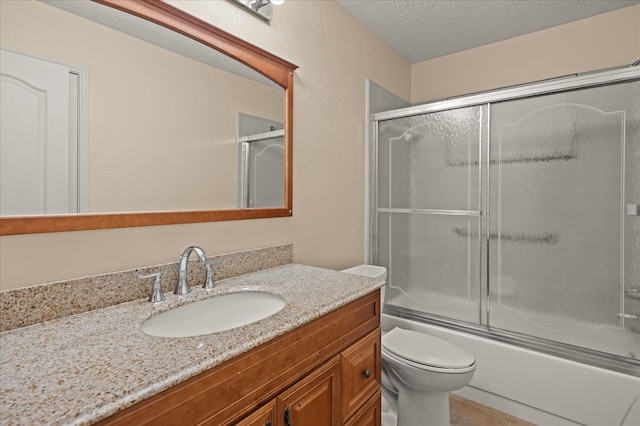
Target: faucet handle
x=208 y=281
x=156 y=289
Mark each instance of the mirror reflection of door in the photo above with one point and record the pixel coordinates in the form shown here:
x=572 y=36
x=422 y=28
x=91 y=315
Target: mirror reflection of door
x=39 y=136
x=261 y=162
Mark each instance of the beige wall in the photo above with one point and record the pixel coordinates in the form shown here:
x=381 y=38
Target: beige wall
x=602 y=41
x=336 y=55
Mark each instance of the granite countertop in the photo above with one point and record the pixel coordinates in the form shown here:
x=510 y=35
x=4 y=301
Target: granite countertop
x=83 y=368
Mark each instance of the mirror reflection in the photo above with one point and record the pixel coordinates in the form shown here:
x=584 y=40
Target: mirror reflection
x=126 y=124
x=261 y=156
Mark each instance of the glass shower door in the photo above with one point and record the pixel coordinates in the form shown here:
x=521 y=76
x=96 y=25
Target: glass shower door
x=564 y=244
x=428 y=214
x=261 y=170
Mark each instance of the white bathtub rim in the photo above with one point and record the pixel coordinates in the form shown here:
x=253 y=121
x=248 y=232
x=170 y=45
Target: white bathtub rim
x=600 y=396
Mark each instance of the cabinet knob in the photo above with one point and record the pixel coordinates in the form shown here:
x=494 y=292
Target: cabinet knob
x=366 y=374
x=268 y=423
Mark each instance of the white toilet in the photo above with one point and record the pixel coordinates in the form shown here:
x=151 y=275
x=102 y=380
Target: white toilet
x=420 y=369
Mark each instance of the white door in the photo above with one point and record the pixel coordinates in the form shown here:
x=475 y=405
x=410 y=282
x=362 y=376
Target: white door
x=262 y=170
x=38 y=167
x=267 y=174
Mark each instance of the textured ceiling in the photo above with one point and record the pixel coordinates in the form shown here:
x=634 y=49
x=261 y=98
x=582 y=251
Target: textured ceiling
x=425 y=29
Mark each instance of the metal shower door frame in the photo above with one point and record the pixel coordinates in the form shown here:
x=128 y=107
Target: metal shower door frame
x=483 y=328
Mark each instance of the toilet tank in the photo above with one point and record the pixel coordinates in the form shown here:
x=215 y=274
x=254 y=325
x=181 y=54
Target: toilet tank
x=372 y=271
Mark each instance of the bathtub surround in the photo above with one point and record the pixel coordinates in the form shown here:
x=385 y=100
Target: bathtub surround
x=45 y=302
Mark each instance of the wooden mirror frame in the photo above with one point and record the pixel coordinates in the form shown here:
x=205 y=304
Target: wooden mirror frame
x=271 y=66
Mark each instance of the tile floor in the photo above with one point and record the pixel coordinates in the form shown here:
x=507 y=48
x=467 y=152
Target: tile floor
x=464 y=412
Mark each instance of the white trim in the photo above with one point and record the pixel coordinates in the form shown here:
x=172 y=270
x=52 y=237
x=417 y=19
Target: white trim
x=82 y=109
x=83 y=138
x=368 y=254
x=545 y=87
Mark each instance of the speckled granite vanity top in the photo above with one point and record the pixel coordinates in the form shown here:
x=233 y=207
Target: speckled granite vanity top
x=82 y=368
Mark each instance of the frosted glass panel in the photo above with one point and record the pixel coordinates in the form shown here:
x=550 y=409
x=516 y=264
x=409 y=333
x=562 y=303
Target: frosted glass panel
x=557 y=212
x=430 y=161
x=540 y=238
x=433 y=263
x=266 y=173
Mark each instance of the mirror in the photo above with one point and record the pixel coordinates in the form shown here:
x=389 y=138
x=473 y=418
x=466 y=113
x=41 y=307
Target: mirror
x=158 y=162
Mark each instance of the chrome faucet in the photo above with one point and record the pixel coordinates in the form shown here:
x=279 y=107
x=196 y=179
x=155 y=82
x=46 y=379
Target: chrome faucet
x=183 y=286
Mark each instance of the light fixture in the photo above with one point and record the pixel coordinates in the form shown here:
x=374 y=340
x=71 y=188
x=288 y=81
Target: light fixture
x=258 y=4
x=263 y=9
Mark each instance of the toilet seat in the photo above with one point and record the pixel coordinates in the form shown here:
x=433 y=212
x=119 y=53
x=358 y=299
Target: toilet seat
x=424 y=367
x=426 y=352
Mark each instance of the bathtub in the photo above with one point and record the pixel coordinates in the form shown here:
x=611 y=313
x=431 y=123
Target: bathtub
x=612 y=338
x=537 y=387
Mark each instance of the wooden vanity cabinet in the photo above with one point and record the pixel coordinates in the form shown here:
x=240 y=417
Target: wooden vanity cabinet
x=318 y=372
x=344 y=391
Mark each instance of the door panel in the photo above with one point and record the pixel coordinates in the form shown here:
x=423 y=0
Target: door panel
x=557 y=216
x=314 y=400
x=34 y=142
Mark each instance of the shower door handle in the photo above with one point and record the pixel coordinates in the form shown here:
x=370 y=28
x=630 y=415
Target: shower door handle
x=628 y=316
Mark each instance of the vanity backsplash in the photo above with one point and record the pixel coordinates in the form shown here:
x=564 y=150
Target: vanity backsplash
x=44 y=302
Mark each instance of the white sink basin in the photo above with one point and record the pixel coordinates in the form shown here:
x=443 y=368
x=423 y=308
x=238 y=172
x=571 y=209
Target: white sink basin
x=215 y=314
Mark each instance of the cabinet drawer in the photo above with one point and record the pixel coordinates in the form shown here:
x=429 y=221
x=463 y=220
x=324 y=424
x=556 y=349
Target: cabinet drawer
x=361 y=371
x=370 y=414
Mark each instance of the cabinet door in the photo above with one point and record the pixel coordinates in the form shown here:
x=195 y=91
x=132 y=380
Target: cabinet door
x=315 y=400
x=370 y=414
x=361 y=372
x=264 y=416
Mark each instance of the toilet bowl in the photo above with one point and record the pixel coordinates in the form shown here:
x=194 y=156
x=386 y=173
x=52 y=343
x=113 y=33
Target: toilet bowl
x=418 y=370
x=423 y=369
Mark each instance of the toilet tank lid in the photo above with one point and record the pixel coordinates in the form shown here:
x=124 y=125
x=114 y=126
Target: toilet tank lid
x=425 y=349
x=372 y=271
